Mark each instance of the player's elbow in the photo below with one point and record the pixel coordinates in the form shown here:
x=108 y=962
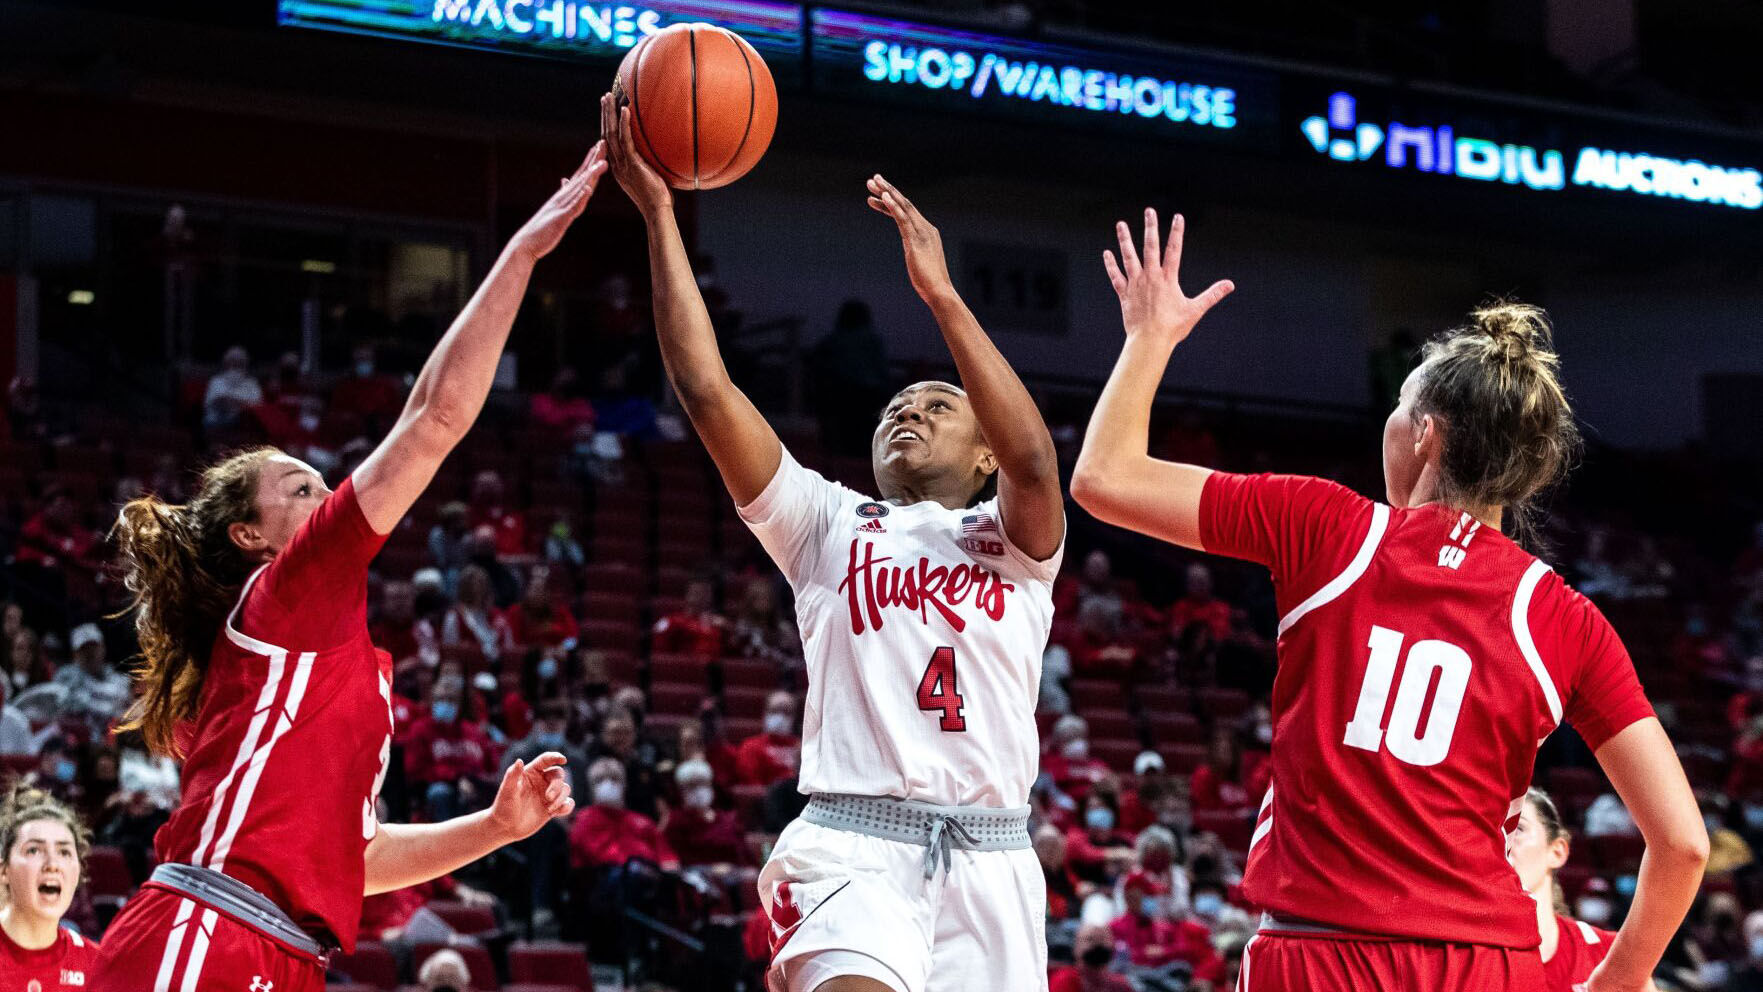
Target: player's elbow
x=1090 y=488
x=1686 y=847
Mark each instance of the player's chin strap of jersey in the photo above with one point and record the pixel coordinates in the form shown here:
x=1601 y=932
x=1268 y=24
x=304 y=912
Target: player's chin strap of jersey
x=939 y=829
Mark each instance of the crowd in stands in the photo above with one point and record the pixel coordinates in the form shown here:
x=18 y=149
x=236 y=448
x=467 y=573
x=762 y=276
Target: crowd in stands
x=569 y=585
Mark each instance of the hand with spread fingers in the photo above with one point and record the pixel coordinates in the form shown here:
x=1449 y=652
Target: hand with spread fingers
x=1152 y=303
x=636 y=177
x=925 y=262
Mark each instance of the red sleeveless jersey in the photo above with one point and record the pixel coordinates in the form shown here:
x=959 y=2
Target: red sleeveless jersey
x=288 y=750
x=1581 y=949
x=1422 y=660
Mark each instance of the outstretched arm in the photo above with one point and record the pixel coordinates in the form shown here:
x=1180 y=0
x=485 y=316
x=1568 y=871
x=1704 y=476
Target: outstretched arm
x=405 y=854
x=745 y=448
x=1647 y=775
x=1116 y=478
x=1029 y=497
x=454 y=382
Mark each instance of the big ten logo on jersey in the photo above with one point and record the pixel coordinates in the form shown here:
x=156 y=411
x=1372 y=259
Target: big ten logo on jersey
x=1452 y=554
x=979 y=535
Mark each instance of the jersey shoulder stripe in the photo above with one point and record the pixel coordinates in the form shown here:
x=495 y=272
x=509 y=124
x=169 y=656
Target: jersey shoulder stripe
x=1526 y=645
x=1380 y=521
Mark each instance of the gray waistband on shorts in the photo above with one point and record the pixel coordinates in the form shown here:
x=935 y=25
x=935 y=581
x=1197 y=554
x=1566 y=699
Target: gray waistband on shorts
x=1290 y=924
x=239 y=901
x=940 y=829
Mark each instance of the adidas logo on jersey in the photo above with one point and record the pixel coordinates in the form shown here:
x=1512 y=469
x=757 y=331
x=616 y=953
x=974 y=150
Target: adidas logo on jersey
x=872 y=527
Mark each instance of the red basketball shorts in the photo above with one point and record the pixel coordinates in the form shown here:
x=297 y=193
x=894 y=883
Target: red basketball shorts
x=1274 y=962
x=164 y=941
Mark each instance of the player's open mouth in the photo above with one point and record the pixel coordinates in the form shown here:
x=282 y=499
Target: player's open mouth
x=49 y=889
x=904 y=434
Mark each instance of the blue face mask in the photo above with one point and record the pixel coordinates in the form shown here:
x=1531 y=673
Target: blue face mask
x=548 y=741
x=1208 y=904
x=548 y=668
x=1152 y=906
x=445 y=711
x=1099 y=818
x=1754 y=816
x=64 y=770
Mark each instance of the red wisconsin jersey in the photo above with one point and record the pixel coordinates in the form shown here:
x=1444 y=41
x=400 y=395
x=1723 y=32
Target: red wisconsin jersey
x=287 y=753
x=1422 y=660
x=1581 y=948
x=60 y=967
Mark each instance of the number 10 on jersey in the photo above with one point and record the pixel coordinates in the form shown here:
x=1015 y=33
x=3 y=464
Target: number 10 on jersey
x=1402 y=736
x=937 y=692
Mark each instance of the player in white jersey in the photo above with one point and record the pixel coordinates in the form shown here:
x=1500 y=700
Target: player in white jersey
x=924 y=614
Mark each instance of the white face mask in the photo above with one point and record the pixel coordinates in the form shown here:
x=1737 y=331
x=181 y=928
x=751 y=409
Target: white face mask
x=699 y=796
x=777 y=724
x=1076 y=749
x=608 y=792
x=1757 y=948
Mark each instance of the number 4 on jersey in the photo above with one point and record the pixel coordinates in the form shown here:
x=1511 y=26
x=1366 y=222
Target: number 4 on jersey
x=936 y=690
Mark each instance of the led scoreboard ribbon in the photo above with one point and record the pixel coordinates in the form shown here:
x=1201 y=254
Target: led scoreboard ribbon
x=926 y=65
x=554 y=28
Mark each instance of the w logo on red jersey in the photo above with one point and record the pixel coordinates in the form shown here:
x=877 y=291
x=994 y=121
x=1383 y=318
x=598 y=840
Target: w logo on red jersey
x=872 y=527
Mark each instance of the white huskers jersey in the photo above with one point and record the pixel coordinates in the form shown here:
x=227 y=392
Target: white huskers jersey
x=923 y=629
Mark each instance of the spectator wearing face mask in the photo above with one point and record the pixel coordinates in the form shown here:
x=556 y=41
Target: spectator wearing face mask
x=57 y=771
x=619 y=741
x=606 y=834
x=1094 y=950
x=1067 y=760
x=1211 y=908
x=444 y=971
x=1154 y=858
x=547 y=849
x=774 y=753
x=697 y=831
x=1154 y=941
x=490 y=508
x=1138 y=805
x=542 y=616
x=1096 y=850
x=373 y=399
x=447 y=759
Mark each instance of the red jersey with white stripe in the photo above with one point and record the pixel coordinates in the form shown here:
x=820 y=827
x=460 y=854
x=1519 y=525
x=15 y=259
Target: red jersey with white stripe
x=1422 y=660
x=60 y=967
x=289 y=748
x=1581 y=948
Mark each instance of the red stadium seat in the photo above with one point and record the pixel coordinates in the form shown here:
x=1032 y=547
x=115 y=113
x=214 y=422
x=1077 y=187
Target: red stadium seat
x=107 y=875
x=550 y=963
x=477 y=962
x=1115 y=752
x=611 y=635
x=738 y=729
x=1109 y=723
x=1182 y=759
x=1223 y=704
x=1233 y=828
x=689 y=555
x=1175 y=728
x=683 y=669
x=745 y=703
x=467 y=920
x=749 y=801
x=1160 y=699
x=749 y=674
x=1100 y=694
x=370 y=965
x=679 y=698
x=614 y=576
x=623 y=607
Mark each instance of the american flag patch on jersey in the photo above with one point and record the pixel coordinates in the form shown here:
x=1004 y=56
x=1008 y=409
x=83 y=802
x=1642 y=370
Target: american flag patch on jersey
x=978 y=523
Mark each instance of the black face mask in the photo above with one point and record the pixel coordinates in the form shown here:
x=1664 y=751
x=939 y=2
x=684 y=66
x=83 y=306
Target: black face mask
x=1098 y=956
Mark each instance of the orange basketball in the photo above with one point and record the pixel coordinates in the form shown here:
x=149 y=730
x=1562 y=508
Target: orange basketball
x=702 y=104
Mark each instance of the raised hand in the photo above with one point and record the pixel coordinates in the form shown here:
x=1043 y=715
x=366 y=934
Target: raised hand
x=1151 y=299
x=636 y=177
x=541 y=233
x=530 y=795
x=925 y=262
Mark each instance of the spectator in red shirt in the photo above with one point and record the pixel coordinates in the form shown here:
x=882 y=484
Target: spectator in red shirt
x=475 y=620
x=761 y=629
x=1096 y=850
x=1221 y=782
x=542 y=617
x=605 y=834
x=1094 y=949
x=1067 y=760
x=447 y=757
x=563 y=409
x=489 y=509
x=394 y=630
x=55 y=538
x=701 y=739
x=696 y=628
x=366 y=395
x=697 y=831
x=1065 y=894
x=1200 y=607
x=1100 y=646
x=774 y=753
x=1152 y=940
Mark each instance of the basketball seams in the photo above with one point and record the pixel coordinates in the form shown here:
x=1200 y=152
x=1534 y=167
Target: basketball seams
x=752 y=103
x=654 y=157
x=692 y=48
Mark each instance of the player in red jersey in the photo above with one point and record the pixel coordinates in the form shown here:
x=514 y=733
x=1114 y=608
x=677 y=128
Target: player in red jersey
x=44 y=844
x=1537 y=846
x=1422 y=657
x=251 y=605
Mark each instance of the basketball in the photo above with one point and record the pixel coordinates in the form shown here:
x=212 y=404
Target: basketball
x=702 y=104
